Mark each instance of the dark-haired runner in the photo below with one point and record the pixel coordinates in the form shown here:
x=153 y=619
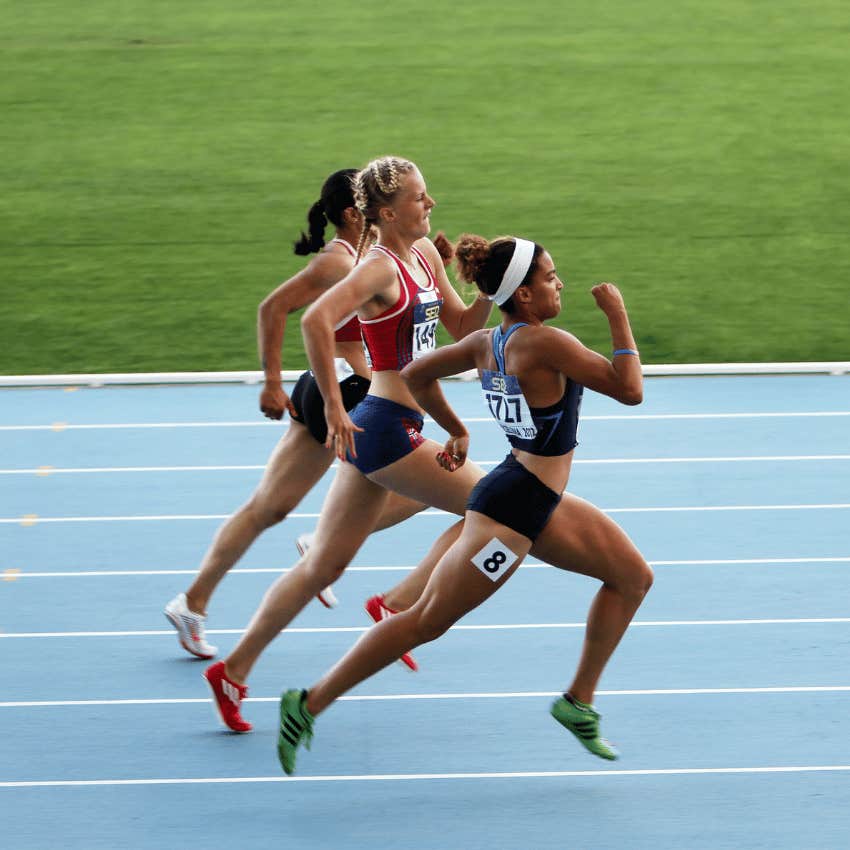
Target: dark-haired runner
x=532 y=377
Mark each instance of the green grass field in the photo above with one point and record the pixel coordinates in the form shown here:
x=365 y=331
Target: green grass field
x=159 y=159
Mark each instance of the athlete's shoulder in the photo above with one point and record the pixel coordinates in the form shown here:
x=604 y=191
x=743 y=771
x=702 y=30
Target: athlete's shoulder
x=428 y=250
x=331 y=262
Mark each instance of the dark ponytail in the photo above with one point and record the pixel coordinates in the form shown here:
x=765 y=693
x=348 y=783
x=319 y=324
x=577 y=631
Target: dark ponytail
x=317 y=220
x=337 y=196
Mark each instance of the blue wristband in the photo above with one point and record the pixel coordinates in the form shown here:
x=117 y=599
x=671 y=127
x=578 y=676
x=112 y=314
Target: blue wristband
x=626 y=351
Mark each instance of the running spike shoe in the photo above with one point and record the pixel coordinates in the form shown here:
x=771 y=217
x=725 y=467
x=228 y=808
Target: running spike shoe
x=228 y=696
x=296 y=726
x=583 y=721
x=378 y=611
x=190 y=627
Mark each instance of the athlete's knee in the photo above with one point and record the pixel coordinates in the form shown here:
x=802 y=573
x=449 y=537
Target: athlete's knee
x=322 y=568
x=266 y=512
x=637 y=581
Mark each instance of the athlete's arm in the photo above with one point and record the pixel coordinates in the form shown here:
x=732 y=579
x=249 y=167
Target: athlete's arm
x=371 y=278
x=421 y=377
x=320 y=274
x=621 y=378
x=458 y=319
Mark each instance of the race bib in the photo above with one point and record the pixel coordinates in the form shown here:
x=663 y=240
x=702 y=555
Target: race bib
x=426 y=314
x=506 y=402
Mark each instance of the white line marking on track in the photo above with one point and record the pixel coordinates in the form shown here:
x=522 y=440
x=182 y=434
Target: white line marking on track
x=635 y=624
x=410 y=567
x=475 y=419
x=400 y=777
x=400 y=697
x=32 y=519
x=81 y=470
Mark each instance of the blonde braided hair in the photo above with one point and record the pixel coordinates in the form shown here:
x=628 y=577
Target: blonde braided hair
x=375 y=186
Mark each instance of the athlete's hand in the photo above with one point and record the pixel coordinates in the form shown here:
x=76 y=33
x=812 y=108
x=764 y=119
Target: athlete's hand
x=608 y=298
x=274 y=401
x=454 y=453
x=444 y=248
x=341 y=431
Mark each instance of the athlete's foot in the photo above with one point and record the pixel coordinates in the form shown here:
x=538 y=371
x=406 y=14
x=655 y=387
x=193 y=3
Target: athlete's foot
x=190 y=627
x=296 y=725
x=228 y=696
x=378 y=611
x=583 y=721
x=302 y=543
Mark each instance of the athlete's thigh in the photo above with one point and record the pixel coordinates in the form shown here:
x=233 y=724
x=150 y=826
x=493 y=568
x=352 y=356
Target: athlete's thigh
x=418 y=476
x=582 y=539
x=294 y=468
x=484 y=557
x=399 y=508
x=349 y=514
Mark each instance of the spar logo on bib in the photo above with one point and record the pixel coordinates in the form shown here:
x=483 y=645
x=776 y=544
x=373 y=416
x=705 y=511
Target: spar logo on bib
x=426 y=314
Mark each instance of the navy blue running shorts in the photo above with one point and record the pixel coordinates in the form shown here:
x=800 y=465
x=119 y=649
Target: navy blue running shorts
x=390 y=431
x=515 y=497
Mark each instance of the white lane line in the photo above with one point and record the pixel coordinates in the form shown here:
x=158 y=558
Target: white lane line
x=459 y=628
x=64 y=426
x=401 y=777
x=403 y=697
x=80 y=470
x=34 y=519
x=408 y=567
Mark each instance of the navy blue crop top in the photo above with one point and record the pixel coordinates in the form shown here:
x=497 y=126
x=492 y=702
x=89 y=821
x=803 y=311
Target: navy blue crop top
x=547 y=431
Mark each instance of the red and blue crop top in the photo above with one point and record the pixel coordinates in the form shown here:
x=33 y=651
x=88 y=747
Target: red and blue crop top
x=408 y=329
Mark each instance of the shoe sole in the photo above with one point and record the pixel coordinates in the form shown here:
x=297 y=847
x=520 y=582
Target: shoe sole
x=173 y=621
x=218 y=715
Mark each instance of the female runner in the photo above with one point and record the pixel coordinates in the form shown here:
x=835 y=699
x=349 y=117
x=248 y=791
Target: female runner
x=532 y=377
x=300 y=459
x=400 y=291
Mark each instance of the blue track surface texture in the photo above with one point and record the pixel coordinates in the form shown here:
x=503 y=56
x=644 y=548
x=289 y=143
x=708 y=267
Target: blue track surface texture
x=728 y=696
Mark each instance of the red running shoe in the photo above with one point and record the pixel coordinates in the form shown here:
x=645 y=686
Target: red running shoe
x=228 y=696
x=376 y=609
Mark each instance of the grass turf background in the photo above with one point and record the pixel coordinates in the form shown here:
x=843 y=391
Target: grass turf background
x=159 y=159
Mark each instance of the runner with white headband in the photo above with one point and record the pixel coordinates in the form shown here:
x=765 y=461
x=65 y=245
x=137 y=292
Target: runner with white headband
x=533 y=377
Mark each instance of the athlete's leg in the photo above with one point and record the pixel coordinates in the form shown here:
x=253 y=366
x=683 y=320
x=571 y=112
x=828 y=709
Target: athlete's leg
x=397 y=509
x=410 y=588
x=582 y=539
x=455 y=588
x=295 y=466
x=418 y=476
x=348 y=515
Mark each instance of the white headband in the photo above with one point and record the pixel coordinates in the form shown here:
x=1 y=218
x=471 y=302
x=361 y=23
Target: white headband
x=515 y=272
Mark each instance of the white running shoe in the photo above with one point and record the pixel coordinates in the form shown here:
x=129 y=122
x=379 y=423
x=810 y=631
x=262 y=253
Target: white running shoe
x=190 y=627
x=302 y=543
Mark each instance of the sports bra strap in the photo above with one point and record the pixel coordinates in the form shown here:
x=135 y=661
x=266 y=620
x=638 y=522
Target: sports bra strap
x=347 y=245
x=500 y=340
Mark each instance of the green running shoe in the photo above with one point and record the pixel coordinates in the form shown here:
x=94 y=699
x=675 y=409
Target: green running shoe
x=296 y=724
x=583 y=721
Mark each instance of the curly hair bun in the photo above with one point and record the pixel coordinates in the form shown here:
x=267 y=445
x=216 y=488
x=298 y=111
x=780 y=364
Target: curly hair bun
x=472 y=253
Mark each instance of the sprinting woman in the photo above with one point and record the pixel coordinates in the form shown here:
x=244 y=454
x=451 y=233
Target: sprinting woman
x=400 y=291
x=532 y=378
x=300 y=458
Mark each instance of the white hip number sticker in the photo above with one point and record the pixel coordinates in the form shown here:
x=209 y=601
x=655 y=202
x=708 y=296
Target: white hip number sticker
x=494 y=559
